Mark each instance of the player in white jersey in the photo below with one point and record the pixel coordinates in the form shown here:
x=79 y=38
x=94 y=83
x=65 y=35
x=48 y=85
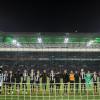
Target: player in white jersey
x=11 y=81
x=32 y=79
x=37 y=80
x=5 y=80
x=24 y=81
x=95 y=82
x=1 y=80
x=52 y=79
x=82 y=76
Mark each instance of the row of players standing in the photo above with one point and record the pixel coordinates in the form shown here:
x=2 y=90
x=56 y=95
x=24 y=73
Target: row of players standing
x=10 y=78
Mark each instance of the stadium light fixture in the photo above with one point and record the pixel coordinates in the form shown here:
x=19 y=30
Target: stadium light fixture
x=18 y=44
x=14 y=41
x=90 y=43
x=39 y=40
x=66 y=40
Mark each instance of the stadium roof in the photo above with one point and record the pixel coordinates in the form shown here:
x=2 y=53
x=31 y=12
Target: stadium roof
x=58 y=41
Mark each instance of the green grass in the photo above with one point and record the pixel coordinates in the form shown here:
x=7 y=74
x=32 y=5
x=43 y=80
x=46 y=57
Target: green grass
x=48 y=96
x=27 y=97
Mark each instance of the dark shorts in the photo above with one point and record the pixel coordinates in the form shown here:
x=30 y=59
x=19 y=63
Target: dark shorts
x=32 y=81
x=72 y=82
x=66 y=83
x=37 y=83
x=95 y=83
x=57 y=84
x=10 y=84
x=5 y=82
x=24 y=82
x=83 y=81
x=17 y=85
x=51 y=82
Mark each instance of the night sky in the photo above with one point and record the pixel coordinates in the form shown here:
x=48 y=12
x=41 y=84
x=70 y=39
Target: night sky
x=68 y=16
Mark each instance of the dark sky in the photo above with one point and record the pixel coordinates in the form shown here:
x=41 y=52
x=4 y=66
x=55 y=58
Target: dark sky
x=50 y=16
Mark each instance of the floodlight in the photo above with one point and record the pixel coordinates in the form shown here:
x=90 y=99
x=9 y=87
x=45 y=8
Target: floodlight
x=18 y=44
x=90 y=43
x=39 y=40
x=66 y=40
x=14 y=41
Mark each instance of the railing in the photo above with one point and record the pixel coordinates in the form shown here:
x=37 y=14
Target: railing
x=53 y=91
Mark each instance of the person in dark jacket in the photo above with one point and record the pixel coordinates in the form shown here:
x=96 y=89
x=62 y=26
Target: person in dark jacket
x=57 y=82
x=76 y=81
x=65 y=80
x=44 y=80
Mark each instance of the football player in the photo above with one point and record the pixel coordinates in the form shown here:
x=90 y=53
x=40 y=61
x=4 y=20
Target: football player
x=72 y=80
x=24 y=81
x=95 y=82
x=32 y=79
x=11 y=80
x=52 y=79
x=88 y=78
x=57 y=82
x=1 y=80
x=5 y=80
x=18 y=81
x=82 y=77
x=44 y=80
x=76 y=81
x=37 y=80
x=65 y=81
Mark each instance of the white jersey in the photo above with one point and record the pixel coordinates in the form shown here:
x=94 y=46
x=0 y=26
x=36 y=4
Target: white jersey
x=37 y=78
x=32 y=76
x=5 y=77
x=52 y=76
x=1 y=79
x=82 y=75
x=25 y=76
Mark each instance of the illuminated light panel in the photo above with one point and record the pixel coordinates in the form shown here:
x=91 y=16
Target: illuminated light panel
x=14 y=41
x=66 y=40
x=18 y=44
x=39 y=40
x=90 y=43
